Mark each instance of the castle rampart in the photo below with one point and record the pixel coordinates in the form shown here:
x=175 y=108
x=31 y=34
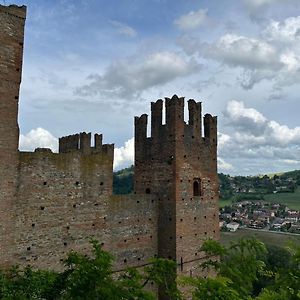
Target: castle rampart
x=51 y=203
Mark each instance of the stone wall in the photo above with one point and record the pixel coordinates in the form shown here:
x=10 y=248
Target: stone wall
x=12 y=19
x=64 y=199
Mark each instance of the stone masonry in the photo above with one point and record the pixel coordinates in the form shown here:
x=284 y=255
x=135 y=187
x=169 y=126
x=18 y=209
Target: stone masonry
x=51 y=203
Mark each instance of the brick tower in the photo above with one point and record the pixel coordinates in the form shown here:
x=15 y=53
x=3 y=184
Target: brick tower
x=179 y=166
x=12 y=19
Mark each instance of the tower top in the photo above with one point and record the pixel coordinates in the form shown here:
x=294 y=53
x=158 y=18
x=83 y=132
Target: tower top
x=15 y=10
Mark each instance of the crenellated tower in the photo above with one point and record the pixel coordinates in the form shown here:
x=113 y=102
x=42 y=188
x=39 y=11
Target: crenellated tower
x=12 y=19
x=179 y=166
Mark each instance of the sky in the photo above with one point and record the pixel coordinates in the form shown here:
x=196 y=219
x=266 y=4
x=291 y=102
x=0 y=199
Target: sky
x=92 y=65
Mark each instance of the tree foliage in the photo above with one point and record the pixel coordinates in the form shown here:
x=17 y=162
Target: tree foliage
x=245 y=270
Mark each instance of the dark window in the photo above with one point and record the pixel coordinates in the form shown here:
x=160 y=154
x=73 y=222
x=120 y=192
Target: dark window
x=197 y=187
x=148 y=191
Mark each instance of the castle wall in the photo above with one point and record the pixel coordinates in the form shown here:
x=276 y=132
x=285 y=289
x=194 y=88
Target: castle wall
x=62 y=199
x=12 y=19
x=65 y=198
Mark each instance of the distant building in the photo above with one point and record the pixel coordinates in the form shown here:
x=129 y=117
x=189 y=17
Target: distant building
x=233 y=226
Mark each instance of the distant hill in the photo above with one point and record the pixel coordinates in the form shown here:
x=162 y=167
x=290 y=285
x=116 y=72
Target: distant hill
x=123 y=181
x=230 y=186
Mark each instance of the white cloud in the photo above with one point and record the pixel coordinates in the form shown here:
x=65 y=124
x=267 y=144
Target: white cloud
x=241 y=51
x=124 y=29
x=254 y=128
x=192 y=20
x=286 y=31
x=257 y=143
x=38 y=138
x=124 y=156
x=130 y=77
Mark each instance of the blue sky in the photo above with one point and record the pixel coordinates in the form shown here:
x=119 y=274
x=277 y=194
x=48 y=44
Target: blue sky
x=93 y=65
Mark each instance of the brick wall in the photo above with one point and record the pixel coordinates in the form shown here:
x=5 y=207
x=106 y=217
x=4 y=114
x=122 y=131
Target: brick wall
x=12 y=19
x=167 y=165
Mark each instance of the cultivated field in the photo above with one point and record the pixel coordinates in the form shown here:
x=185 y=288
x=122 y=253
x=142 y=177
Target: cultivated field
x=272 y=238
x=292 y=200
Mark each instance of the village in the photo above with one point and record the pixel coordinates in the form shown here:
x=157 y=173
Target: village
x=259 y=215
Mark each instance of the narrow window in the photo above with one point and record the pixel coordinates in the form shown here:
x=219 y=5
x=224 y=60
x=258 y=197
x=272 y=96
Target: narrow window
x=197 y=187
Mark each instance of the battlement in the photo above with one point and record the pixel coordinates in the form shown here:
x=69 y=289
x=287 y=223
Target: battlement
x=175 y=126
x=14 y=10
x=82 y=142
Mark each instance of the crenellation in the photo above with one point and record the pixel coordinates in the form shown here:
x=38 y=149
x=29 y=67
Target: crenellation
x=175 y=117
x=195 y=118
x=156 y=118
x=85 y=142
x=69 y=143
x=98 y=142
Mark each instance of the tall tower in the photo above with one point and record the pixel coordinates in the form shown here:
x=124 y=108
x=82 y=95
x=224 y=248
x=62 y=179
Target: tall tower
x=12 y=20
x=179 y=165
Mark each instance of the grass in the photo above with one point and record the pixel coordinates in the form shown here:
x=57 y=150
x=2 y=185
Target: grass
x=270 y=238
x=223 y=202
x=291 y=200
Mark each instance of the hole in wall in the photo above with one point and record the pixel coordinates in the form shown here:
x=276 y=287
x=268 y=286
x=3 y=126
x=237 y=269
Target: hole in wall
x=42 y=207
x=45 y=183
x=33 y=225
x=148 y=191
x=125 y=260
x=65 y=244
x=16 y=97
x=77 y=183
x=28 y=248
x=101 y=183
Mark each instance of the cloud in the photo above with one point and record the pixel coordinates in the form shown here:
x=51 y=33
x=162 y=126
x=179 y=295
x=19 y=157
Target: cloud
x=241 y=51
x=256 y=143
x=124 y=156
x=274 y=56
x=38 y=138
x=124 y=29
x=254 y=128
x=192 y=20
x=130 y=77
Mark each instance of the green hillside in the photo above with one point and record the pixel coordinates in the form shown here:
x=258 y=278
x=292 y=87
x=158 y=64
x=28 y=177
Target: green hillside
x=281 y=188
